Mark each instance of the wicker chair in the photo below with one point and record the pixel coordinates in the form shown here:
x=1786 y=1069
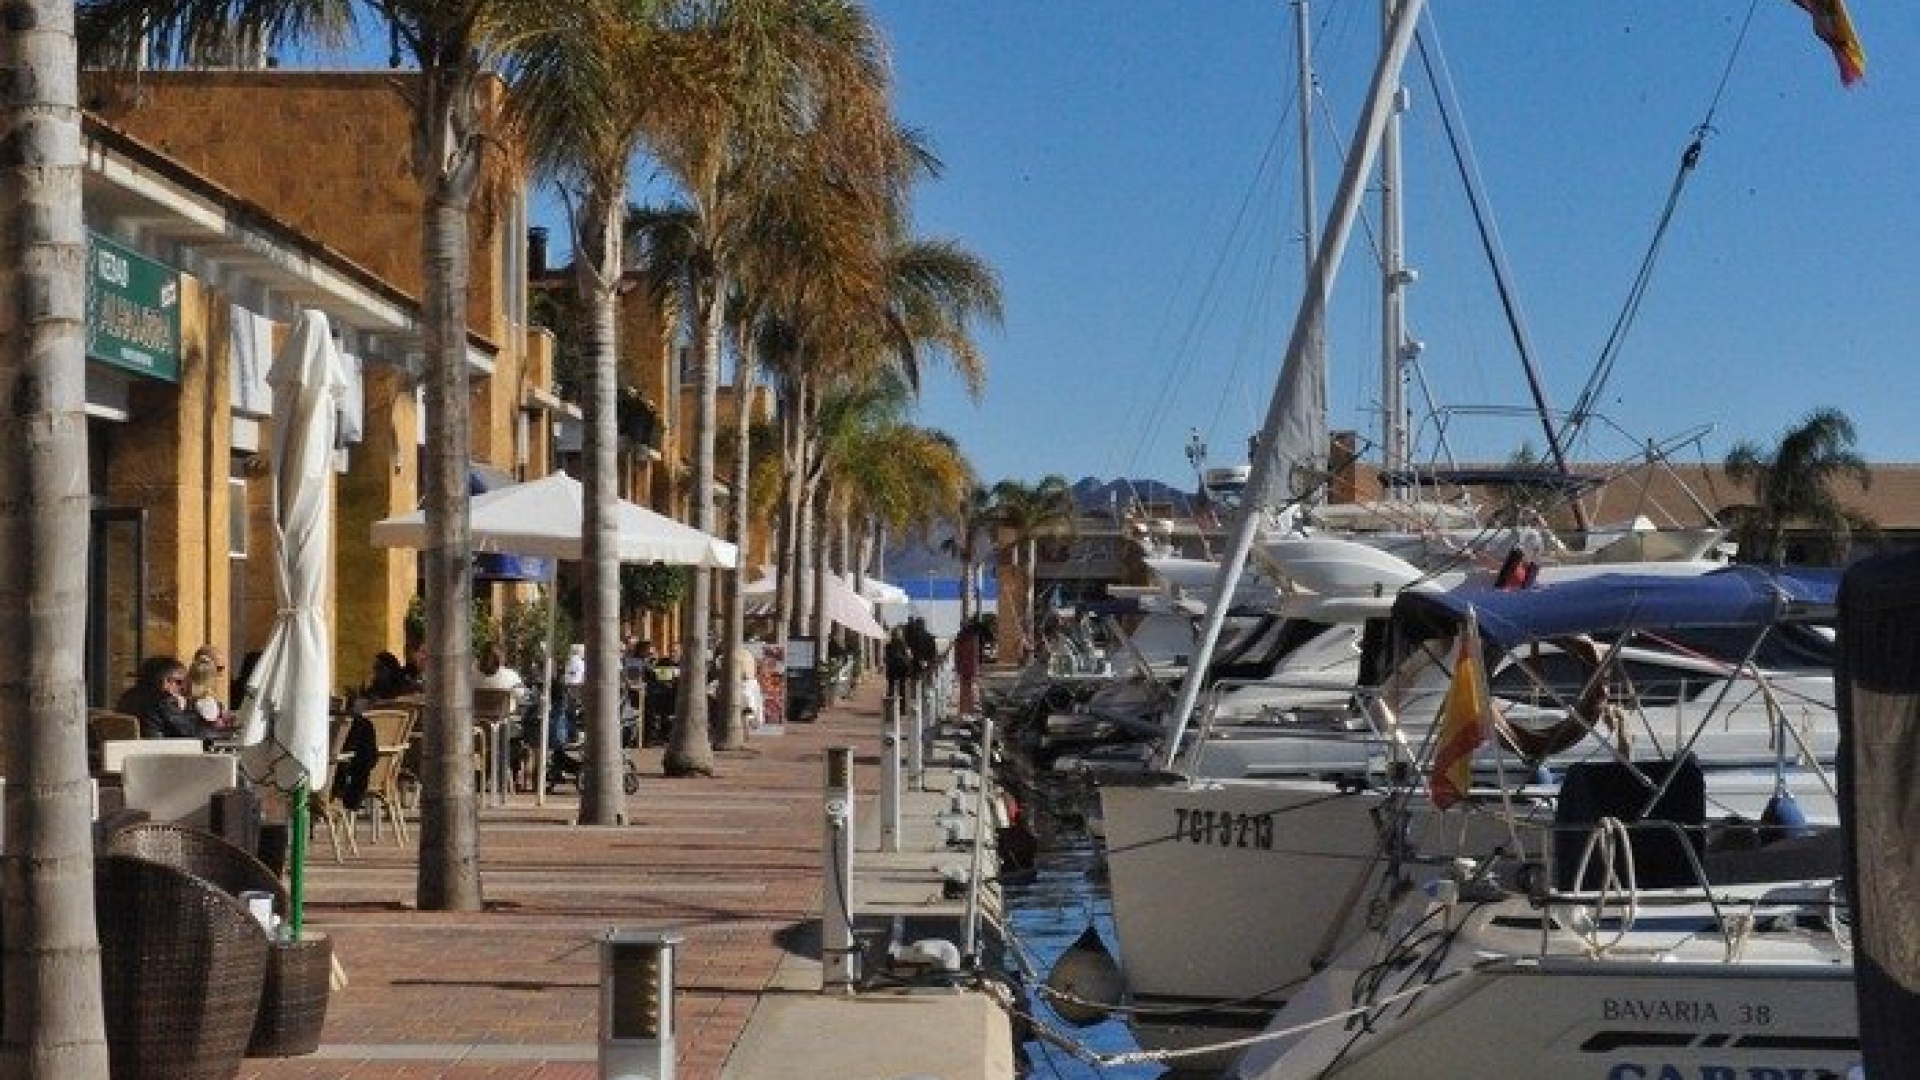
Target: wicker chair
x=392 y=728
x=182 y=965
x=325 y=803
x=203 y=855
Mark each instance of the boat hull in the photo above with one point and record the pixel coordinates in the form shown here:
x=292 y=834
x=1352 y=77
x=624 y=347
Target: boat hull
x=1580 y=1020
x=1206 y=963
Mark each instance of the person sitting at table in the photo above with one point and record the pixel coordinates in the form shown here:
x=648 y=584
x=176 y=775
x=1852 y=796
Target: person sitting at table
x=159 y=699
x=362 y=749
x=389 y=680
x=204 y=678
x=492 y=673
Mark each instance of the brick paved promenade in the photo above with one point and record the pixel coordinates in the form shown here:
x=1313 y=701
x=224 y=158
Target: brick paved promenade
x=512 y=993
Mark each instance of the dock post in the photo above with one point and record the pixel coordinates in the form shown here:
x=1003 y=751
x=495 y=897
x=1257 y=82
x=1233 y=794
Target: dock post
x=839 y=953
x=917 y=738
x=890 y=777
x=982 y=828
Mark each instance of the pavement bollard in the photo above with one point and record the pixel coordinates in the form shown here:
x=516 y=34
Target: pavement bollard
x=636 y=1005
x=916 y=735
x=839 y=953
x=890 y=777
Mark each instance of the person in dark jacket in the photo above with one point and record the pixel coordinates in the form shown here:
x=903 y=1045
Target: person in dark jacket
x=897 y=659
x=925 y=650
x=389 y=680
x=159 y=699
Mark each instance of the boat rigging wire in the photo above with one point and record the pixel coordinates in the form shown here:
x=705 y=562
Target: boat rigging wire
x=1643 y=277
x=1428 y=45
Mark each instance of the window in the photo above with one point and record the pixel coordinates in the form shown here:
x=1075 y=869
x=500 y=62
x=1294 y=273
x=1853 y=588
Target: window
x=237 y=517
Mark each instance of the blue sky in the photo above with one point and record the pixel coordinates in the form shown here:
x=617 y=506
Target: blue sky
x=1130 y=169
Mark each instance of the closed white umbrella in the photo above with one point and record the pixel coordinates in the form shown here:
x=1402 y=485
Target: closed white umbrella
x=283 y=720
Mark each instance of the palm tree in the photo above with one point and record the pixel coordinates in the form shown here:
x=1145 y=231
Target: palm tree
x=878 y=470
x=50 y=972
x=1793 y=484
x=455 y=47
x=971 y=518
x=583 y=102
x=805 y=96
x=1025 y=513
x=925 y=301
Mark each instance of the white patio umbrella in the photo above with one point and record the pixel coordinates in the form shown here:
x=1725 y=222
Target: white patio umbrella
x=283 y=720
x=844 y=605
x=545 y=518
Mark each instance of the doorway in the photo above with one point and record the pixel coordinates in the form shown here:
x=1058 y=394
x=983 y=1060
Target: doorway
x=116 y=601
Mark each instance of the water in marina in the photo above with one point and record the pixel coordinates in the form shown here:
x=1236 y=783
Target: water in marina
x=1048 y=909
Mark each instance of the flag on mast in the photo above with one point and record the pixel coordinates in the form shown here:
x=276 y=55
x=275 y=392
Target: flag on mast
x=1465 y=721
x=1832 y=25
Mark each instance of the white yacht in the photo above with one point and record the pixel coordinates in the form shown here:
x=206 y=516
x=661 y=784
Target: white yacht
x=1228 y=894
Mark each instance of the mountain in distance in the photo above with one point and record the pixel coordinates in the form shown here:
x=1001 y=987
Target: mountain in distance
x=1092 y=498
x=1098 y=498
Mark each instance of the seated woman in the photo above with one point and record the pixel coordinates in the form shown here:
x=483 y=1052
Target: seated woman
x=159 y=699
x=492 y=673
x=206 y=691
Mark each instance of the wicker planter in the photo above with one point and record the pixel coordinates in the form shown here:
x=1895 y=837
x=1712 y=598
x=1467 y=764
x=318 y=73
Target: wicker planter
x=293 y=1007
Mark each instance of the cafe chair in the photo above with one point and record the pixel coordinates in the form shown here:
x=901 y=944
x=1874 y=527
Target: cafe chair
x=182 y=967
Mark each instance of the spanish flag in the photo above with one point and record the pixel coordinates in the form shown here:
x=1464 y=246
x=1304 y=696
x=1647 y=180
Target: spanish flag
x=1831 y=25
x=1465 y=721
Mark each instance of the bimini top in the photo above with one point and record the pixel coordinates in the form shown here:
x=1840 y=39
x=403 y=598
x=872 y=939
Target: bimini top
x=1611 y=603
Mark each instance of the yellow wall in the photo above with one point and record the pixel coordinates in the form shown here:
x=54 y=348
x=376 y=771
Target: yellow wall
x=171 y=458
x=327 y=152
x=329 y=155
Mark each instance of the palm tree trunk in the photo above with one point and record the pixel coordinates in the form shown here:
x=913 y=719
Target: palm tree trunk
x=1032 y=553
x=603 y=799
x=690 y=749
x=50 y=970
x=730 y=733
x=449 y=834
x=820 y=568
x=786 y=613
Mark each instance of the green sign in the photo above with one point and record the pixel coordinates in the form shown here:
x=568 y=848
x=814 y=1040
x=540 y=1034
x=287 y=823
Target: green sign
x=133 y=310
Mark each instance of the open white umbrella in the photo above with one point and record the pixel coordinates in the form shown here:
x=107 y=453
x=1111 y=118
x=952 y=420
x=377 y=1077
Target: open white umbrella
x=844 y=605
x=545 y=517
x=283 y=721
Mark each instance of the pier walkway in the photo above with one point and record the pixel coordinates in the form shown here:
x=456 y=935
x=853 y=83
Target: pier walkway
x=731 y=862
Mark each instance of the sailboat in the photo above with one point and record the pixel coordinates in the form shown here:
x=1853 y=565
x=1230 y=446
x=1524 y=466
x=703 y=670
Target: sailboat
x=1229 y=896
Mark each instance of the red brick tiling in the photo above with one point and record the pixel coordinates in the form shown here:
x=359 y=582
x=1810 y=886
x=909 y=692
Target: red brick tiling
x=731 y=862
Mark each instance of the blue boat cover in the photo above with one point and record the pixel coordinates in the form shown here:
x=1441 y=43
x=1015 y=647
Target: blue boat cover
x=1609 y=603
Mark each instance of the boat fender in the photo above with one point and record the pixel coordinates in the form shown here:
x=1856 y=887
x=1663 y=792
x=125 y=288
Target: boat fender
x=1085 y=982
x=927 y=954
x=1783 y=818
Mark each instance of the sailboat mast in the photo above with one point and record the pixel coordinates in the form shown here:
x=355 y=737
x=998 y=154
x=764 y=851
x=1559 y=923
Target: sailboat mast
x=1309 y=197
x=1270 y=476
x=1309 y=204
x=1395 y=278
